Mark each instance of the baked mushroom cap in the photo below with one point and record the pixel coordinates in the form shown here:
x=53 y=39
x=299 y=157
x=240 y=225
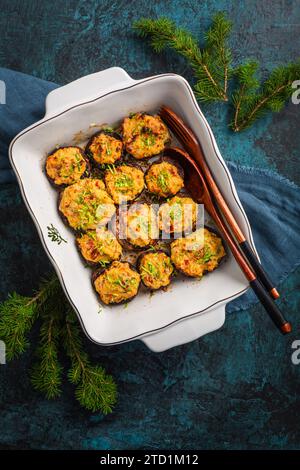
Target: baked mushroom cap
x=164 y=178
x=66 y=165
x=178 y=215
x=144 y=135
x=86 y=205
x=199 y=252
x=137 y=226
x=155 y=268
x=124 y=183
x=99 y=246
x=104 y=147
x=118 y=283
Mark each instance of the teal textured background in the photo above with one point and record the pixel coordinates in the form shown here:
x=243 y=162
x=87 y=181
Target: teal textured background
x=235 y=388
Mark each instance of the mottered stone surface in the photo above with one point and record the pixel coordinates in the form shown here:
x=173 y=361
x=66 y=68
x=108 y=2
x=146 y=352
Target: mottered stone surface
x=235 y=388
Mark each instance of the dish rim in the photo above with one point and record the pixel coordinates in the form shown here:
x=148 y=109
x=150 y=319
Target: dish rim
x=133 y=84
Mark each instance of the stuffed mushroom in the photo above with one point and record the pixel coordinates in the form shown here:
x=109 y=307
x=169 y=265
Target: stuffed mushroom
x=66 y=165
x=178 y=215
x=124 y=183
x=155 y=269
x=144 y=135
x=118 y=283
x=198 y=253
x=86 y=205
x=137 y=226
x=99 y=246
x=164 y=178
x=104 y=147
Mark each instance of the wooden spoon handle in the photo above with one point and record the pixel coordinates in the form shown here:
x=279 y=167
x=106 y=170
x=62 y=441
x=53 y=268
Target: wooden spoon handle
x=260 y=272
x=197 y=186
x=243 y=243
x=271 y=308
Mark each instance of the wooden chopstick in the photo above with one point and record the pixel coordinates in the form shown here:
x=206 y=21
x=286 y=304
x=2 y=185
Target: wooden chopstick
x=193 y=146
x=196 y=185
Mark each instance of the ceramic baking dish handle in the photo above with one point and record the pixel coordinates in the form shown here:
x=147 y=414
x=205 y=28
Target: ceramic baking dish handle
x=86 y=89
x=186 y=331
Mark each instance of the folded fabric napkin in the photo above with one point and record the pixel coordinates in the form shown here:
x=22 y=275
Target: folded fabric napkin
x=270 y=201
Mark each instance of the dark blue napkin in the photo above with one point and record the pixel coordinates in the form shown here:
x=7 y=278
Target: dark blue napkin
x=270 y=201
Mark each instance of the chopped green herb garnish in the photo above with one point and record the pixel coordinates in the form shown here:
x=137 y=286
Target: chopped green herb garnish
x=108 y=150
x=151 y=270
x=176 y=212
x=103 y=264
x=111 y=168
x=107 y=129
x=163 y=180
x=151 y=248
x=78 y=161
x=149 y=140
x=207 y=255
x=124 y=182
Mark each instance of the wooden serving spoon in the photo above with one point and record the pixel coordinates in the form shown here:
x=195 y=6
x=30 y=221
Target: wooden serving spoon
x=193 y=147
x=196 y=185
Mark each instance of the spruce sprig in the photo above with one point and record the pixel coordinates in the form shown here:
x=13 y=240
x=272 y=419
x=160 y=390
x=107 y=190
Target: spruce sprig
x=46 y=374
x=212 y=69
x=18 y=314
x=95 y=390
x=211 y=64
x=253 y=100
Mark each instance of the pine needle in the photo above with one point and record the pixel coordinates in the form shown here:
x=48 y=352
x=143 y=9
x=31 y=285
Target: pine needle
x=253 y=100
x=212 y=69
x=96 y=390
x=18 y=314
x=211 y=65
x=46 y=375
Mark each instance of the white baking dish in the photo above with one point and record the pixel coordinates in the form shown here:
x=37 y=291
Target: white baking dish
x=190 y=308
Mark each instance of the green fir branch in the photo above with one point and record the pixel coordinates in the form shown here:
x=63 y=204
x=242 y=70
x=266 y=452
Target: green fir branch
x=212 y=69
x=211 y=64
x=18 y=314
x=253 y=100
x=46 y=374
x=95 y=390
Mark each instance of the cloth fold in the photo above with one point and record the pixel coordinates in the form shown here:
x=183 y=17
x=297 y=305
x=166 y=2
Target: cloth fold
x=270 y=201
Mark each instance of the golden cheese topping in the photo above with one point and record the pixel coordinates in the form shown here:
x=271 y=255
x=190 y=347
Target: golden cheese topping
x=118 y=283
x=104 y=148
x=66 y=165
x=164 y=179
x=178 y=215
x=99 y=246
x=199 y=252
x=86 y=204
x=144 y=135
x=138 y=225
x=124 y=183
x=156 y=270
